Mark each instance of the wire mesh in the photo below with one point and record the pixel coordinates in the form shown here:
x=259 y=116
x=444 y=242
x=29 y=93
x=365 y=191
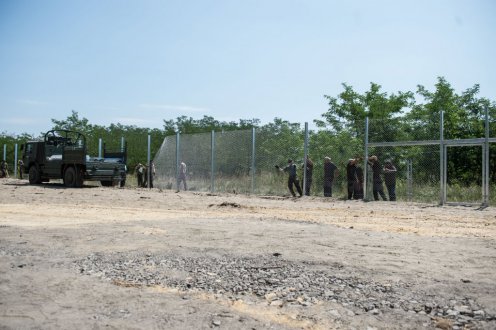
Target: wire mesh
x=244 y=161
x=417 y=176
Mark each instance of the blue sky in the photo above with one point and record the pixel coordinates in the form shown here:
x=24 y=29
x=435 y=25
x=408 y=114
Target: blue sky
x=139 y=62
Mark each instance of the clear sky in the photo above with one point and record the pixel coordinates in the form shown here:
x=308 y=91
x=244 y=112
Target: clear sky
x=139 y=62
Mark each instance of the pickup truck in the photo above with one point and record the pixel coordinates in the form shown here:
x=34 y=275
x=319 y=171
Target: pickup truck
x=62 y=154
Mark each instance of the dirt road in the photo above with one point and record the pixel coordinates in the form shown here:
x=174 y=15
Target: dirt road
x=150 y=259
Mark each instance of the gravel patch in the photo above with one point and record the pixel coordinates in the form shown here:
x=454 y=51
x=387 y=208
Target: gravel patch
x=280 y=282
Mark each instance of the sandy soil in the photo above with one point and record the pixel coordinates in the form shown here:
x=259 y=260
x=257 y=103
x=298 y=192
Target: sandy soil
x=439 y=255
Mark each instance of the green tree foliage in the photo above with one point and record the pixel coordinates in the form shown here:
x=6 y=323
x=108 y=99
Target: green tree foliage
x=348 y=111
x=401 y=116
x=464 y=116
x=188 y=125
x=278 y=142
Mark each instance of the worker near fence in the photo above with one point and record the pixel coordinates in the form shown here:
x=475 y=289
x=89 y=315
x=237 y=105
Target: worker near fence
x=152 y=173
x=351 y=177
x=330 y=171
x=20 y=167
x=182 y=176
x=308 y=175
x=139 y=170
x=377 y=186
x=293 y=177
x=4 y=168
x=390 y=179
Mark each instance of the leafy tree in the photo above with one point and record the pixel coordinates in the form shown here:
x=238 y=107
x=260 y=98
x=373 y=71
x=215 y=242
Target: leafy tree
x=73 y=123
x=188 y=125
x=348 y=111
x=463 y=119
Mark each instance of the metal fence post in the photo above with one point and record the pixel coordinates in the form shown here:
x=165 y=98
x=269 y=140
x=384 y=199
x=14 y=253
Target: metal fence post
x=4 y=152
x=15 y=161
x=177 y=158
x=149 y=171
x=212 y=174
x=409 y=178
x=365 y=160
x=122 y=144
x=442 y=165
x=305 y=152
x=100 y=148
x=485 y=165
x=253 y=163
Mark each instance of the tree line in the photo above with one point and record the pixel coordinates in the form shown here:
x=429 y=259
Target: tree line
x=399 y=116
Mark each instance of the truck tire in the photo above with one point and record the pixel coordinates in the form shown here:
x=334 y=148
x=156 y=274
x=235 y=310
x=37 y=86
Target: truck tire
x=34 y=175
x=70 y=177
x=79 y=177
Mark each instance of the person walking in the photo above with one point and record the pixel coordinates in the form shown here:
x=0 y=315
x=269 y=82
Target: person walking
x=390 y=179
x=308 y=175
x=330 y=172
x=377 y=187
x=293 y=177
x=182 y=176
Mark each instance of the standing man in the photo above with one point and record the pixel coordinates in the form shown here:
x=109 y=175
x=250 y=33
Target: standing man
x=330 y=171
x=308 y=176
x=352 y=178
x=152 y=173
x=5 y=169
x=377 y=187
x=182 y=176
x=293 y=178
x=139 y=174
x=390 y=179
x=20 y=167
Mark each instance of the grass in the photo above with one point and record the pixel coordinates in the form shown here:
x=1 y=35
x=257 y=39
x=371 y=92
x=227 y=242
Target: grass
x=274 y=183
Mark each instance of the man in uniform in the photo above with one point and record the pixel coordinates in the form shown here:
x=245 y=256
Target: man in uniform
x=293 y=178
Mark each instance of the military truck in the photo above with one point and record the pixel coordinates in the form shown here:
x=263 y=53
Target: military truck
x=62 y=154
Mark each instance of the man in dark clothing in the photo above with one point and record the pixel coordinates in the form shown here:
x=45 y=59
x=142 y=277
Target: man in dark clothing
x=330 y=170
x=20 y=167
x=390 y=179
x=139 y=170
x=377 y=187
x=292 y=179
x=4 y=168
x=308 y=176
x=353 y=180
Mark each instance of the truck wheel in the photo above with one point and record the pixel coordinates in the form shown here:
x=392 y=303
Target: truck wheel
x=34 y=175
x=123 y=183
x=70 y=178
x=79 y=177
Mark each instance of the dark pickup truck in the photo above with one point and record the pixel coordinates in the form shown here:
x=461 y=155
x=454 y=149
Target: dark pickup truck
x=62 y=154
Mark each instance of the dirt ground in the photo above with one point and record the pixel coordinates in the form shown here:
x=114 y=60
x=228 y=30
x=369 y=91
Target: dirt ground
x=99 y=257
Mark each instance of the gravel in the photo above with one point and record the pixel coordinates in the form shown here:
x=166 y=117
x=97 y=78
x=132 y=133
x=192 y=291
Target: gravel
x=280 y=282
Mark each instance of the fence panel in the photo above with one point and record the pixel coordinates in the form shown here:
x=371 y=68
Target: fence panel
x=417 y=172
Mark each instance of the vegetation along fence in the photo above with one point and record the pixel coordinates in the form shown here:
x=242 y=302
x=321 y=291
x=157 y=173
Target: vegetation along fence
x=436 y=162
x=432 y=167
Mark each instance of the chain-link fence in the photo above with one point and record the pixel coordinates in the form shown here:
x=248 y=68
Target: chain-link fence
x=245 y=161
x=431 y=164
x=428 y=168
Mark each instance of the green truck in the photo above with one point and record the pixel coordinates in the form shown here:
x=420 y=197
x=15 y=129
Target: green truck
x=62 y=154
